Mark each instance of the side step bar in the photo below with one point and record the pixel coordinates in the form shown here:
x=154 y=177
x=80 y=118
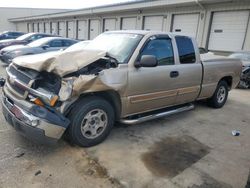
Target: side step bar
x=158 y=115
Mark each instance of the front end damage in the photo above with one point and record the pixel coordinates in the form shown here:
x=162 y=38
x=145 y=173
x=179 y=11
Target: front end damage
x=38 y=92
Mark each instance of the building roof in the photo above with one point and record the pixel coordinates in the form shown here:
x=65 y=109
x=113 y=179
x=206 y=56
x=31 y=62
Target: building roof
x=118 y=7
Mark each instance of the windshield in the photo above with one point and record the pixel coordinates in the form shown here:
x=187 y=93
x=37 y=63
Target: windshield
x=4 y=32
x=77 y=46
x=118 y=45
x=23 y=37
x=39 y=42
x=241 y=56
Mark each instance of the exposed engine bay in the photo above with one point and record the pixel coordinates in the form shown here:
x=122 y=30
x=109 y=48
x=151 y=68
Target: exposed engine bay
x=95 y=67
x=51 y=85
x=52 y=82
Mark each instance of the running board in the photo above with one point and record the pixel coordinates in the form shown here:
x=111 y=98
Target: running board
x=157 y=115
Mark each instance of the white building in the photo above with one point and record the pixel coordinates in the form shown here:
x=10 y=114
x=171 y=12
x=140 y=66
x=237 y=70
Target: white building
x=7 y=13
x=220 y=25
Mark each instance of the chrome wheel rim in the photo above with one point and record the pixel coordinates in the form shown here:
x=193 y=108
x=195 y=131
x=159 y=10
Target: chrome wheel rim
x=94 y=123
x=221 y=94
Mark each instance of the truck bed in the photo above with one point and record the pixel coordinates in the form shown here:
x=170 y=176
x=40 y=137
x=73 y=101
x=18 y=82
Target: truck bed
x=215 y=68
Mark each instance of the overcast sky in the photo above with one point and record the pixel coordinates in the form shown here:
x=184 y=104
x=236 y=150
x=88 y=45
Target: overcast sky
x=64 y=4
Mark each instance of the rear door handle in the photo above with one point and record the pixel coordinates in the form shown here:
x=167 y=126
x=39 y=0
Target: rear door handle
x=174 y=74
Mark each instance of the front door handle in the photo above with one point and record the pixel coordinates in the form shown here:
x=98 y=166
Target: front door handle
x=174 y=74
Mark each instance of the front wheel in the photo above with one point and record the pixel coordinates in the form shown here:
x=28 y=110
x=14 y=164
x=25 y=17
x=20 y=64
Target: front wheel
x=91 y=121
x=220 y=95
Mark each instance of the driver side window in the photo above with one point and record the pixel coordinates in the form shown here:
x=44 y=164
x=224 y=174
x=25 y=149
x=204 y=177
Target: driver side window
x=162 y=49
x=56 y=43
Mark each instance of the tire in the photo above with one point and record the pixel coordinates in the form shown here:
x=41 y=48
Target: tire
x=90 y=115
x=220 y=95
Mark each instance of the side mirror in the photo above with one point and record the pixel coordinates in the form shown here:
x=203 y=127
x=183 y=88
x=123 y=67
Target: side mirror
x=45 y=47
x=147 y=61
x=29 y=40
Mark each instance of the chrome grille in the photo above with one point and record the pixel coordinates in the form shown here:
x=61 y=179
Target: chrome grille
x=19 y=74
x=14 y=73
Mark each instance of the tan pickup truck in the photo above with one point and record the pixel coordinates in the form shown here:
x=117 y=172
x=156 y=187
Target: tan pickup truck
x=120 y=76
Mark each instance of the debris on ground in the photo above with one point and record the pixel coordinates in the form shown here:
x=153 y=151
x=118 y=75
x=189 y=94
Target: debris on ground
x=38 y=172
x=236 y=133
x=20 y=155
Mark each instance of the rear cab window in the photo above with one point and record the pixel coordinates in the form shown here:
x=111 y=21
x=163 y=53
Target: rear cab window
x=185 y=49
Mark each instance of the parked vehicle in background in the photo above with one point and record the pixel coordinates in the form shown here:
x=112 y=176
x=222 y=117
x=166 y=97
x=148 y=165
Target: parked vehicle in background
x=126 y=76
x=24 y=39
x=78 y=46
x=244 y=56
x=245 y=79
x=10 y=35
x=204 y=51
x=39 y=46
x=54 y=54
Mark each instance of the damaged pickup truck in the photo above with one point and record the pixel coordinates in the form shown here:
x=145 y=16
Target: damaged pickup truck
x=125 y=76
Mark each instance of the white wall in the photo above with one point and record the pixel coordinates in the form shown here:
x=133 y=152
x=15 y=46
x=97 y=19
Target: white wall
x=168 y=13
x=7 y=13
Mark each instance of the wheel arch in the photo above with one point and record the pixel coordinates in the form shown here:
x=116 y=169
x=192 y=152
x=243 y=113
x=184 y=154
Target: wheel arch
x=228 y=80
x=111 y=96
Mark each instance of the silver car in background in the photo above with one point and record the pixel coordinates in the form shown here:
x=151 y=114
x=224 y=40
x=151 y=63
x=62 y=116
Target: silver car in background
x=43 y=45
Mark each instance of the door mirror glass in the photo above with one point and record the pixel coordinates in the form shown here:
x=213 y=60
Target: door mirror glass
x=147 y=61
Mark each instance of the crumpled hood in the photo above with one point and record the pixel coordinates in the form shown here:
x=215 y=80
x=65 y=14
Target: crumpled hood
x=60 y=63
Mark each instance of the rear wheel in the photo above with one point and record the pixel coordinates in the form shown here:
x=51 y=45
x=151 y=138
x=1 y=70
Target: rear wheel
x=220 y=95
x=91 y=121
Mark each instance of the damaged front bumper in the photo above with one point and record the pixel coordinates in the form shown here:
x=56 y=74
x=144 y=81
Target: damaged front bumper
x=33 y=121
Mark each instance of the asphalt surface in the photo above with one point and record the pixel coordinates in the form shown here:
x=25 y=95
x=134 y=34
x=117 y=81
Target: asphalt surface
x=193 y=149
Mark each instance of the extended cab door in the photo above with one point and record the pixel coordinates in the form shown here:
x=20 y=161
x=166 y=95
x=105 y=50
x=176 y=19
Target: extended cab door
x=152 y=88
x=176 y=80
x=189 y=68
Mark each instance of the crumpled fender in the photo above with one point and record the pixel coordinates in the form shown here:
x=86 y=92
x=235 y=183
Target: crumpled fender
x=75 y=86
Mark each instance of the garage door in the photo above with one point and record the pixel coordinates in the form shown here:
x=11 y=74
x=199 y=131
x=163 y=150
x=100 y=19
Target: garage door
x=82 y=30
x=153 y=23
x=228 y=30
x=71 y=29
x=129 y=23
x=94 y=29
x=54 y=28
x=110 y=24
x=186 y=24
x=35 y=26
x=47 y=27
x=61 y=29
x=40 y=27
x=30 y=27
